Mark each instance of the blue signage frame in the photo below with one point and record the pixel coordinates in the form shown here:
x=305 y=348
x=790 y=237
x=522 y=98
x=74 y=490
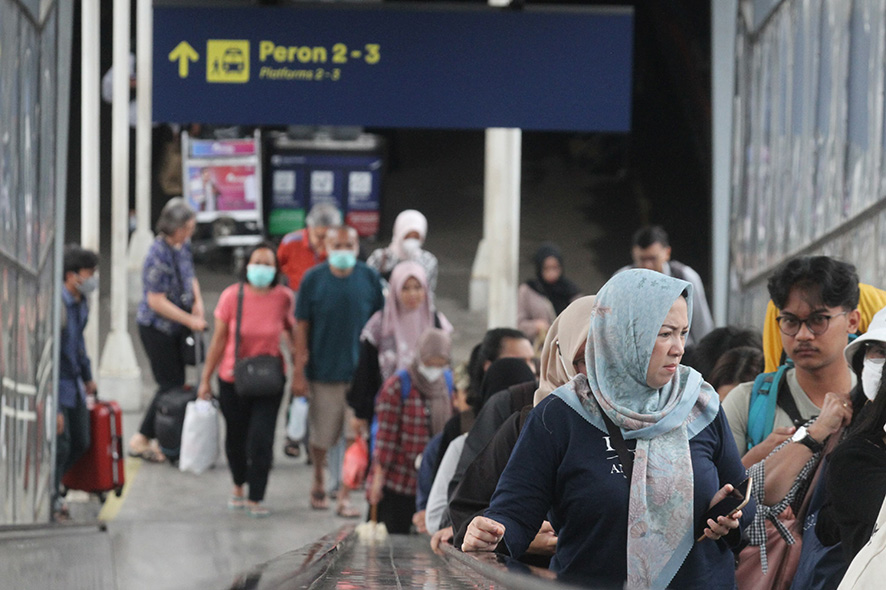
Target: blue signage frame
x=395 y=65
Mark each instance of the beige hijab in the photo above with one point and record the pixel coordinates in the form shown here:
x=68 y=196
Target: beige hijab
x=565 y=340
x=432 y=343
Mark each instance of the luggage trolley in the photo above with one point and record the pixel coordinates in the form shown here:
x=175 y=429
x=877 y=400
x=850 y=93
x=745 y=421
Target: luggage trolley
x=222 y=182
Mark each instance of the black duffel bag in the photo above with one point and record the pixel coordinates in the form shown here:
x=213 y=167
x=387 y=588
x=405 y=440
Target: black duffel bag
x=169 y=419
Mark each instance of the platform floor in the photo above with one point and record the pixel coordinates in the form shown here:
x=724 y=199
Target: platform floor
x=173 y=530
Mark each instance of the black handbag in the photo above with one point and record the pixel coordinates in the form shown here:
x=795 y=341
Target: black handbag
x=193 y=352
x=193 y=348
x=255 y=376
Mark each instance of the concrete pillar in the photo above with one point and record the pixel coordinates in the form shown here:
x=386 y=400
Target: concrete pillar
x=90 y=191
x=142 y=237
x=501 y=186
x=119 y=374
x=723 y=27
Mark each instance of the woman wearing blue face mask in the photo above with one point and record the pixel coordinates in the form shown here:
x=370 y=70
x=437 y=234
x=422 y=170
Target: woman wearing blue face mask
x=258 y=312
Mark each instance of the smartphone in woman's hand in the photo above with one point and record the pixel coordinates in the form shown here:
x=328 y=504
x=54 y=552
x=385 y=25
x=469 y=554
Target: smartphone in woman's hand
x=735 y=501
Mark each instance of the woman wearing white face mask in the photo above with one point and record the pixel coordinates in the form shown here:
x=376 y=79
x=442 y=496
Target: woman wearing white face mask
x=407 y=419
x=856 y=476
x=250 y=319
x=410 y=231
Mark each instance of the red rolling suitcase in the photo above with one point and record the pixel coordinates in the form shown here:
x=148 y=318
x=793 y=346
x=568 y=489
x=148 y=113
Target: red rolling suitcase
x=100 y=469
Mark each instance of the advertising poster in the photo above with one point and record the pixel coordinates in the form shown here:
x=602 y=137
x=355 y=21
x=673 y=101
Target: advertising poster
x=217 y=189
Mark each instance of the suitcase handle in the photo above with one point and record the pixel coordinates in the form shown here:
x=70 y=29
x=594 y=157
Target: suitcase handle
x=116 y=450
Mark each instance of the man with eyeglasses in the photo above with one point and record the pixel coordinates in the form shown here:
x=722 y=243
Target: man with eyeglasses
x=817 y=300
x=816 y=297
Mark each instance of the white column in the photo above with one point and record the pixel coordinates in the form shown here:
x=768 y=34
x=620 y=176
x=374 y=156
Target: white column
x=90 y=233
x=142 y=237
x=723 y=27
x=501 y=222
x=119 y=374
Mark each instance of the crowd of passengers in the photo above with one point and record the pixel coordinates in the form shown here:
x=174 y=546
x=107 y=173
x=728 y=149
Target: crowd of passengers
x=600 y=440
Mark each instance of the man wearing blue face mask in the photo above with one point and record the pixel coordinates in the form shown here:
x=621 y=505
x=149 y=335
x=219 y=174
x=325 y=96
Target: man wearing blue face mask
x=75 y=370
x=335 y=300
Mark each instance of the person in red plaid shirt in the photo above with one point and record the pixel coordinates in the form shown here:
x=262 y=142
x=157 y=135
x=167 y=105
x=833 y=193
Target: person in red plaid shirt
x=405 y=425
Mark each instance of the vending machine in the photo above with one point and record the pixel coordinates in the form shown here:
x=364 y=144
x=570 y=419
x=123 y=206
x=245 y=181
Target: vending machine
x=304 y=172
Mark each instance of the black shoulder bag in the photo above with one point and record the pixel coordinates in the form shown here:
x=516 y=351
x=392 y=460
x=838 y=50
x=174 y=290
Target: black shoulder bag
x=617 y=441
x=255 y=376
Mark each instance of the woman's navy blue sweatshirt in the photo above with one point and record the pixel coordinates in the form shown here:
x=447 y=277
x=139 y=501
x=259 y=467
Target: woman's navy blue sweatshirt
x=565 y=465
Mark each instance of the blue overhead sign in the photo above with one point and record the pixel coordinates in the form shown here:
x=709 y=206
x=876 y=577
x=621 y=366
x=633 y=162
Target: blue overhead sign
x=395 y=66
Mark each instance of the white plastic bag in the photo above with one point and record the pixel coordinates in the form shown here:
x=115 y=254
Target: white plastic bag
x=199 y=448
x=297 y=426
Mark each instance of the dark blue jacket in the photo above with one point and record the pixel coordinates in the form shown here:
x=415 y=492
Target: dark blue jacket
x=74 y=366
x=563 y=465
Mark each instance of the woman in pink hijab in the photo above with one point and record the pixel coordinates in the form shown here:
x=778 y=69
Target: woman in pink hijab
x=389 y=340
x=410 y=230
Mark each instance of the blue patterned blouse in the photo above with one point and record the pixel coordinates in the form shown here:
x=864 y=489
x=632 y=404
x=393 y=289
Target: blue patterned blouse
x=159 y=276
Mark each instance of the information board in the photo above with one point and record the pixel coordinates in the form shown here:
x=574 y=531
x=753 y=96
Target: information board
x=431 y=66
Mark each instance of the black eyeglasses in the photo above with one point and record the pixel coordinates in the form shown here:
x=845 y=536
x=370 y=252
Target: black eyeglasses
x=817 y=323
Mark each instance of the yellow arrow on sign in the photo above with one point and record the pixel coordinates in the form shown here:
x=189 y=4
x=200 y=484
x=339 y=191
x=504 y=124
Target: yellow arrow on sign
x=185 y=54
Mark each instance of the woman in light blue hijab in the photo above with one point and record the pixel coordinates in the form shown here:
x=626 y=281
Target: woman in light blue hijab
x=638 y=531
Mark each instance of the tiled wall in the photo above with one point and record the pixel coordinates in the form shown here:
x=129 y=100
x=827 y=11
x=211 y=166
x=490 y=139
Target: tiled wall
x=808 y=174
x=33 y=137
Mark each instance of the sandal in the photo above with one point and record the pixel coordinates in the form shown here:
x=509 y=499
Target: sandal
x=257 y=510
x=291 y=448
x=345 y=510
x=149 y=455
x=62 y=515
x=319 y=501
x=236 y=502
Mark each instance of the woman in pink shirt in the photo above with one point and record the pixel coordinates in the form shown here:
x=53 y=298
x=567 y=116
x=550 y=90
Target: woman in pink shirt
x=267 y=315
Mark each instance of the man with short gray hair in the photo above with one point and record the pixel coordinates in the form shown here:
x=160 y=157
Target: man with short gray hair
x=298 y=252
x=302 y=249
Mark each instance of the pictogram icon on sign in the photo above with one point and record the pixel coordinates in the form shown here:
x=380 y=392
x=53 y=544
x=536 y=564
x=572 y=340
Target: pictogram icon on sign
x=227 y=60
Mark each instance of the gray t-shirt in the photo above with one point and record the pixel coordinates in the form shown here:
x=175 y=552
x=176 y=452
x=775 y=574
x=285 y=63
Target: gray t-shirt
x=737 y=404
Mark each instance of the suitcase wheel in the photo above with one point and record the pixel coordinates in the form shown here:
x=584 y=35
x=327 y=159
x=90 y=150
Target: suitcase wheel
x=102 y=496
x=118 y=492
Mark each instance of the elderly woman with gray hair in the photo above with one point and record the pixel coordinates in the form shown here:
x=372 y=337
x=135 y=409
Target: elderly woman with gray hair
x=171 y=307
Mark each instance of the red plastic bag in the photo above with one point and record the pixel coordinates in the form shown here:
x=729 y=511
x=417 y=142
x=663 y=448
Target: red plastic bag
x=353 y=470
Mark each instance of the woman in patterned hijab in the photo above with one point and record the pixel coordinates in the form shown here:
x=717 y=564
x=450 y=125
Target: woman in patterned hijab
x=634 y=523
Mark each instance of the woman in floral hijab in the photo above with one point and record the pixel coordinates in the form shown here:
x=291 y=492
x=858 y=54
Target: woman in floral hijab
x=629 y=525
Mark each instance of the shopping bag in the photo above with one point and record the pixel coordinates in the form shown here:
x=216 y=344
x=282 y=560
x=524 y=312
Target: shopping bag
x=297 y=426
x=782 y=558
x=199 y=447
x=354 y=466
